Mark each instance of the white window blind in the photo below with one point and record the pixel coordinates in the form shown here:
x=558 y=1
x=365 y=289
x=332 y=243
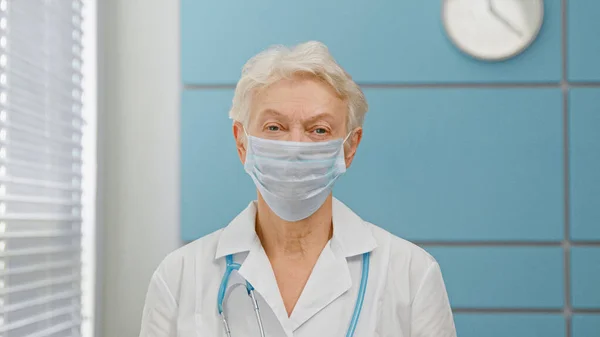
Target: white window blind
x=40 y=167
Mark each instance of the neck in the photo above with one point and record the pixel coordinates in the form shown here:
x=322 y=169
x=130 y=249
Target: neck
x=301 y=239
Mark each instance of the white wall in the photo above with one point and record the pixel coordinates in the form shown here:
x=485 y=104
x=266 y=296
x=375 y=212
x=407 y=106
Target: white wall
x=138 y=177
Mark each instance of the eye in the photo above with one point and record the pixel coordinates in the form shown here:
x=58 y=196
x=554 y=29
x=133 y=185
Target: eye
x=320 y=131
x=273 y=127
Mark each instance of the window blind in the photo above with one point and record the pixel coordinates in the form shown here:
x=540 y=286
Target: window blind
x=40 y=167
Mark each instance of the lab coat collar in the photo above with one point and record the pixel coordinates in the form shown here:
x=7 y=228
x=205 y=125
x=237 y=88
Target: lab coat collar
x=350 y=232
x=351 y=235
x=240 y=235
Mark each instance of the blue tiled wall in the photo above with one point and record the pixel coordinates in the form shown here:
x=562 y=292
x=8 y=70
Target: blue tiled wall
x=494 y=168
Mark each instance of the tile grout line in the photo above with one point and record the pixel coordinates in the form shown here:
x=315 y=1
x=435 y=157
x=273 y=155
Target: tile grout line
x=482 y=244
x=467 y=244
x=515 y=85
x=484 y=310
x=567 y=309
x=504 y=243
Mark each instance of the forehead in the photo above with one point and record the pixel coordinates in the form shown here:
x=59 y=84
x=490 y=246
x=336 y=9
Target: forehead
x=299 y=98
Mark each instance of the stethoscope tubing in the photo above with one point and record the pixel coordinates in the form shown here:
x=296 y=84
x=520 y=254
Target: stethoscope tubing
x=231 y=266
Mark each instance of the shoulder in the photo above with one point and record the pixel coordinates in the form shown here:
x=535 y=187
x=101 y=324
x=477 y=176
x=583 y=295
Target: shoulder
x=413 y=288
x=203 y=246
x=407 y=265
x=401 y=250
x=181 y=264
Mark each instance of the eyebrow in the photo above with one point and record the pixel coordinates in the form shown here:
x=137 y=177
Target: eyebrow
x=324 y=115
x=271 y=112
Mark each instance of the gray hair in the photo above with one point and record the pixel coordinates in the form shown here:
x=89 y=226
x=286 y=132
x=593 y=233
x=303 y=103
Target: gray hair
x=280 y=62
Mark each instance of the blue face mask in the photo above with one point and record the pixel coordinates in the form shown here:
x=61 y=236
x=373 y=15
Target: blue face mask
x=294 y=178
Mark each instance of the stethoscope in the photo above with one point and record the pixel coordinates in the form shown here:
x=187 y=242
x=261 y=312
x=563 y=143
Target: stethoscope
x=231 y=266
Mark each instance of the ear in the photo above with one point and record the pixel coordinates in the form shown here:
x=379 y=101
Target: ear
x=240 y=140
x=353 y=141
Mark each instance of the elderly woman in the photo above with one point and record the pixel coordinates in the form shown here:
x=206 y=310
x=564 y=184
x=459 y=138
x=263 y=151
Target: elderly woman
x=309 y=266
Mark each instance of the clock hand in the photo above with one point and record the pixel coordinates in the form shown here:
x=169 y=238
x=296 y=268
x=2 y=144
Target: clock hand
x=501 y=18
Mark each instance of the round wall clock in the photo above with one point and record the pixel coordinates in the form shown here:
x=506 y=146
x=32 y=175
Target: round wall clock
x=492 y=30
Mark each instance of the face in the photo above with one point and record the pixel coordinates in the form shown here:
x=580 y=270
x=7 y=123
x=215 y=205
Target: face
x=301 y=110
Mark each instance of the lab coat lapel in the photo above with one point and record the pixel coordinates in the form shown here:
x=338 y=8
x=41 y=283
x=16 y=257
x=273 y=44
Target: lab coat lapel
x=257 y=270
x=240 y=237
x=331 y=275
x=329 y=279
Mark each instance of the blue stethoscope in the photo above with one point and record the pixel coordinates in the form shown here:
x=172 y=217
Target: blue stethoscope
x=231 y=266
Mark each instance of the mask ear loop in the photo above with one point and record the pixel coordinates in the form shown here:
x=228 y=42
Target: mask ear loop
x=343 y=144
x=247 y=137
x=348 y=136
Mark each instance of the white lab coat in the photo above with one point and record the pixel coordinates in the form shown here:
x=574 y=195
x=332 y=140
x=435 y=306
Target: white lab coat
x=405 y=295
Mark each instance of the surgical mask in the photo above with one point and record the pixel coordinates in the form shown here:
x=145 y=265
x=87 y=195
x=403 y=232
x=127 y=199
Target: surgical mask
x=294 y=178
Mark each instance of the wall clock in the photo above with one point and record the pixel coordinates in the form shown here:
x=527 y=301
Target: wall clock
x=492 y=30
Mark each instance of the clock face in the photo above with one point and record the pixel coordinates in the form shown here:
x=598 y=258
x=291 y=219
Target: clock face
x=492 y=29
